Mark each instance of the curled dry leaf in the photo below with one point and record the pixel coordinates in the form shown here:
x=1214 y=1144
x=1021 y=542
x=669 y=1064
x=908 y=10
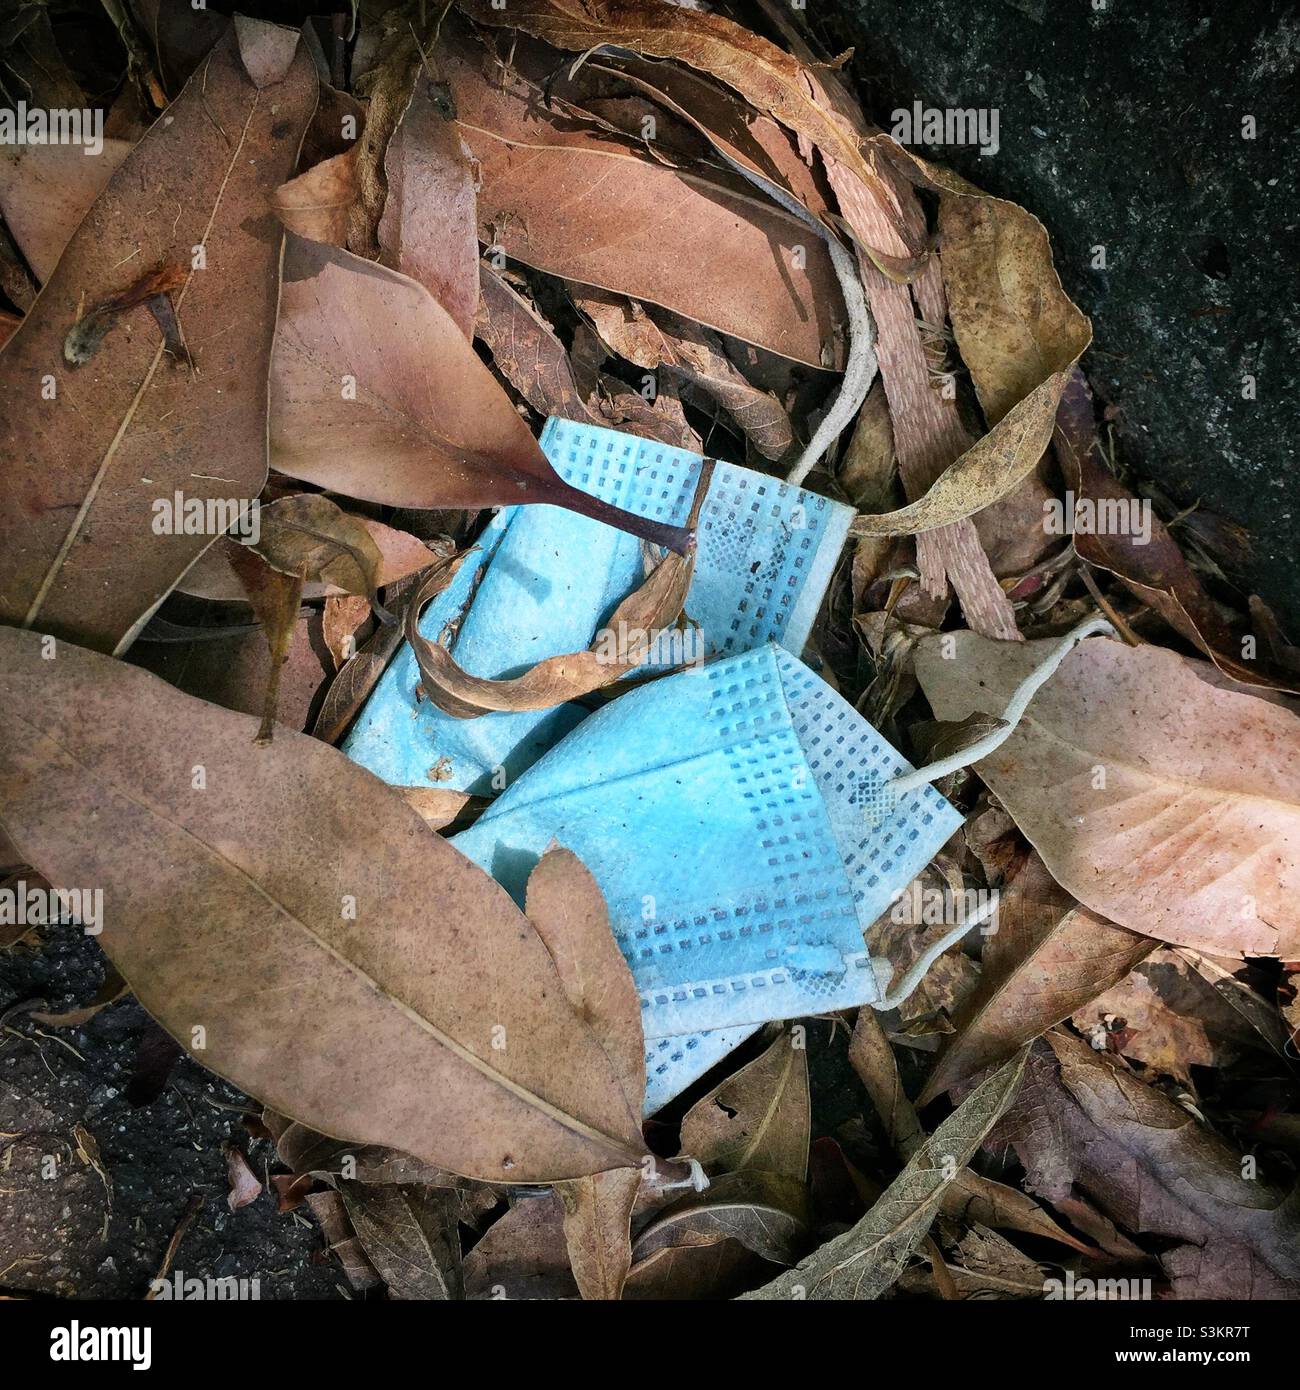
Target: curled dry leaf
x=654 y=607
x=245 y=1187
x=315 y=204
x=343 y=617
x=765 y=1213
x=1015 y=326
x=987 y=471
x=113 y=989
x=1047 y=958
x=394 y=432
x=757 y=1119
x=866 y=1260
x=400 y=555
x=306 y=934
x=73 y=557
x=1168 y=806
x=312 y=538
x=332 y=1217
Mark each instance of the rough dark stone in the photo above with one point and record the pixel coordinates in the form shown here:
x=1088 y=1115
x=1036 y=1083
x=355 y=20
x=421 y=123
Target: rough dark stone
x=1121 y=126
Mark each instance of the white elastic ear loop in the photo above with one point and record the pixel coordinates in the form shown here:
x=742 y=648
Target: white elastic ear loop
x=927 y=958
x=1019 y=702
x=922 y=776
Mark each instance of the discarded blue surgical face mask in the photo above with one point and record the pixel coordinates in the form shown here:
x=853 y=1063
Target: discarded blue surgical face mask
x=731 y=815
x=543 y=581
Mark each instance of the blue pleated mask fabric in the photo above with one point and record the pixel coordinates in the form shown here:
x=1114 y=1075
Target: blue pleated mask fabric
x=543 y=581
x=729 y=814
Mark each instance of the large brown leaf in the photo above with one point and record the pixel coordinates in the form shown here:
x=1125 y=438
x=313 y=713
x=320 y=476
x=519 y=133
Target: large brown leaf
x=586 y=204
x=1168 y=806
x=376 y=394
x=78 y=554
x=285 y=915
x=768 y=77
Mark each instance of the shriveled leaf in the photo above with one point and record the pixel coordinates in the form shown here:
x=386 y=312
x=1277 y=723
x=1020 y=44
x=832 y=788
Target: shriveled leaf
x=866 y=1261
x=359 y=675
x=343 y=617
x=696 y=354
x=597 y=1229
x=401 y=554
x=526 y=351
x=316 y=203
x=357 y=409
x=764 y=1212
x=79 y=551
x=758 y=1118
x=987 y=471
x=113 y=989
x=650 y=610
x=1168 y=806
x=275 y=597
x=1014 y=324
x=409 y=1233
x=245 y=1187
x=582 y=202
x=349 y=967
x=1047 y=958
x=329 y=1211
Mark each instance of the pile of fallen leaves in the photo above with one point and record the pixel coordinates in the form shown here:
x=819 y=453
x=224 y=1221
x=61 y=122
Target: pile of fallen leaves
x=348 y=271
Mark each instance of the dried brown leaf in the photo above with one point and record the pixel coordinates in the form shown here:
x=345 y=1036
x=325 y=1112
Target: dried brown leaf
x=354 y=967
x=1168 y=806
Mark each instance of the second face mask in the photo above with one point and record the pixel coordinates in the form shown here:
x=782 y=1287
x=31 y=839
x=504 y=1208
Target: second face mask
x=543 y=581
x=730 y=816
